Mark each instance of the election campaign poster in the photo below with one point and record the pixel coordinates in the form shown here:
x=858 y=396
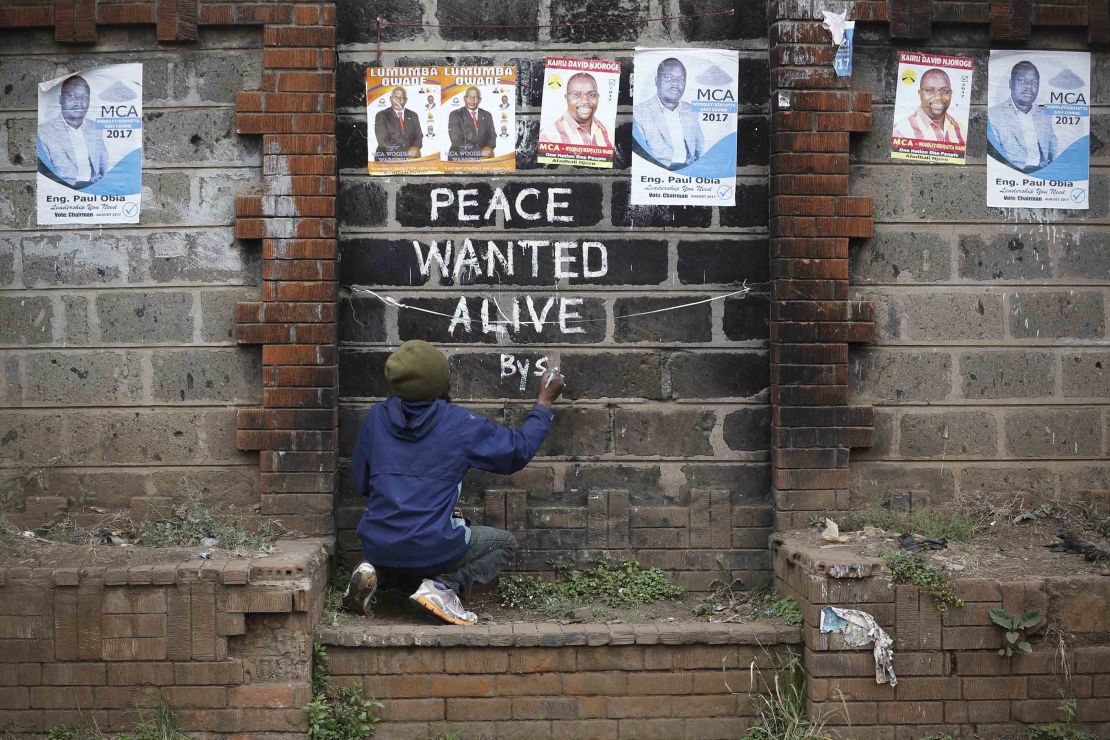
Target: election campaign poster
x=90 y=147
x=931 y=108
x=403 y=131
x=579 y=112
x=684 y=127
x=478 y=111
x=1038 y=129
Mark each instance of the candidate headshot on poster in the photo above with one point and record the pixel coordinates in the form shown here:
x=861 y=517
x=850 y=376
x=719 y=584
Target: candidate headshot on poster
x=931 y=108
x=579 y=112
x=401 y=103
x=684 y=127
x=1038 y=129
x=89 y=147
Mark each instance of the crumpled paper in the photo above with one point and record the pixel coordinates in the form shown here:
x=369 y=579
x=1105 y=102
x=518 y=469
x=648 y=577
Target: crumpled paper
x=835 y=23
x=859 y=629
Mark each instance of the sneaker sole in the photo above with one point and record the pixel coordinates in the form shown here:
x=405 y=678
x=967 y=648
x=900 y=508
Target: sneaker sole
x=430 y=605
x=351 y=601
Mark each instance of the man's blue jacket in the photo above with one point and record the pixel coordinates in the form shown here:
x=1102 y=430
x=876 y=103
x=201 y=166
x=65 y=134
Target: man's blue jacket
x=411 y=458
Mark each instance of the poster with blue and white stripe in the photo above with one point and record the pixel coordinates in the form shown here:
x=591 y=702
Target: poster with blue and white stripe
x=1038 y=129
x=90 y=147
x=684 y=127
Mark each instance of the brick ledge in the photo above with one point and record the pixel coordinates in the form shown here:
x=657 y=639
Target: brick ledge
x=550 y=634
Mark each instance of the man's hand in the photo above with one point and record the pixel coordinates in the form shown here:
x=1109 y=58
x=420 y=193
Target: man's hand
x=551 y=387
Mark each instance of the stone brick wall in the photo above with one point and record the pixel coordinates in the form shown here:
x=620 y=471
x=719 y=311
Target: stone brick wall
x=951 y=679
x=989 y=370
x=549 y=681
x=226 y=643
x=662 y=448
x=118 y=370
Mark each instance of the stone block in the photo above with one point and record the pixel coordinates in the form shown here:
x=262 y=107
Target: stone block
x=629 y=262
x=750 y=211
x=8 y=247
x=140 y=317
x=231 y=375
x=217 y=312
x=1085 y=254
x=479 y=375
x=17 y=203
x=585 y=22
x=950 y=434
x=575 y=432
x=583 y=318
x=748 y=430
x=948 y=316
x=31 y=437
x=1086 y=374
x=900 y=256
x=355 y=21
x=27 y=320
x=1006 y=256
x=613 y=375
x=691 y=324
x=220 y=438
x=83 y=378
x=643 y=482
x=1007 y=374
x=900 y=375
x=667 y=433
x=198 y=136
x=1077 y=480
x=748 y=484
x=872 y=482
x=1054 y=433
x=626 y=214
x=1006 y=481
x=1073 y=314
x=728 y=262
x=231 y=486
x=362 y=374
x=749 y=21
x=746 y=318
x=125 y=436
x=718 y=374
x=362 y=202
x=215 y=203
x=77 y=319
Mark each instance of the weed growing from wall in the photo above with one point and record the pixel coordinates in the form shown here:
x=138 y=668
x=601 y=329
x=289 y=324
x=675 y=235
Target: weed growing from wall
x=338 y=713
x=906 y=567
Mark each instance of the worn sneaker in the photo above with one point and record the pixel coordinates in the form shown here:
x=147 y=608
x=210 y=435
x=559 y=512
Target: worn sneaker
x=364 y=582
x=443 y=602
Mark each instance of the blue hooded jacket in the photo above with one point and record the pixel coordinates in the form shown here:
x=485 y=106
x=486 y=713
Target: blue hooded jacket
x=410 y=459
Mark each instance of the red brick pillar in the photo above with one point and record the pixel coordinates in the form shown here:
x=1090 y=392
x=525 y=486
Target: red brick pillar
x=812 y=318
x=295 y=321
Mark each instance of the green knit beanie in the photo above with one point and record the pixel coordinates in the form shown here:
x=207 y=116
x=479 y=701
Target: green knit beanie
x=417 y=371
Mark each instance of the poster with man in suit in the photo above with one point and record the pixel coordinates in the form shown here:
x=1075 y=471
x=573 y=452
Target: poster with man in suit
x=684 y=127
x=469 y=94
x=396 y=140
x=1038 y=129
x=90 y=147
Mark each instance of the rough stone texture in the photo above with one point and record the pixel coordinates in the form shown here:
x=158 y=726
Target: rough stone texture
x=947 y=435
x=115 y=319
x=994 y=318
x=1007 y=374
x=1054 y=433
x=901 y=376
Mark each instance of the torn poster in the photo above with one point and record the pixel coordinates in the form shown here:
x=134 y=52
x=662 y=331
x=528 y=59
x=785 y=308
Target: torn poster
x=1038 y=129
x=931 y=108
x=684 y=127
x=90 y=147
x=579 y=112
x=858 y=629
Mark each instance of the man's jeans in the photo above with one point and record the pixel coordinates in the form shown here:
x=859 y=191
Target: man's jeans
x=489 y=550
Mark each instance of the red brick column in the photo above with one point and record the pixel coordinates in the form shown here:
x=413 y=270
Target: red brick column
x=812 y=320
x=295 y=321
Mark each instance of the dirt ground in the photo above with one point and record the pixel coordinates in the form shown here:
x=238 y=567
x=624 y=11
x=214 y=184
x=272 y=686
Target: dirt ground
x=1006 y=551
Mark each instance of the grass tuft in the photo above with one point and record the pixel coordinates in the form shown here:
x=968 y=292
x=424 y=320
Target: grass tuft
x=612 y=583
